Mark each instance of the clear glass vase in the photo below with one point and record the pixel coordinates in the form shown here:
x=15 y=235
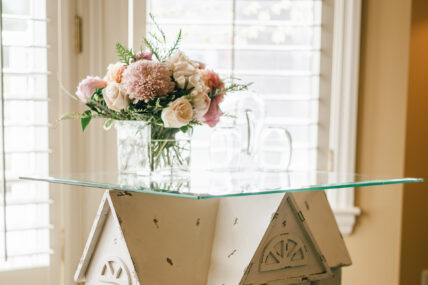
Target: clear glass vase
x=145 y=149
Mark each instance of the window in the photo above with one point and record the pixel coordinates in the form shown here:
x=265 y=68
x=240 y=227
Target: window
x=24 y=222
x=286 y=47
x=274 y=43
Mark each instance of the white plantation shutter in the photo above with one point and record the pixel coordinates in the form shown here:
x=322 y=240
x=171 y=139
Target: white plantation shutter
x=24 y=215
x=274 y=43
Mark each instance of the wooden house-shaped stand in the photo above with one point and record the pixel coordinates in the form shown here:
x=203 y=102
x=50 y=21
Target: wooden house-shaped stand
x=265 y=239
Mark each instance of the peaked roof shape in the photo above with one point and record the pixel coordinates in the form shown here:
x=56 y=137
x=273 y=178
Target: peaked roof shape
x=163 y=235
x=106 y=207
x=287 y=250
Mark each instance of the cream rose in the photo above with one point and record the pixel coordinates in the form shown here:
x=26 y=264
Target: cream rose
x=114 y=72
x=115 y=96
x=186 y=72
x=201 y=104
x=178 y=114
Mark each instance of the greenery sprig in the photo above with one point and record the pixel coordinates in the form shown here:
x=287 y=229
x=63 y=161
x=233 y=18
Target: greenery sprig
x=158 y=45
x=126 y=55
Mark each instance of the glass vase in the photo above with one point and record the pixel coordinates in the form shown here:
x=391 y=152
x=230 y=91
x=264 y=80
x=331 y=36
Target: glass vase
x=152 y=150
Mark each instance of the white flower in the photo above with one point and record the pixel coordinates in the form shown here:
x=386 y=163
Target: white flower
x=178 y=114
x=201 y=104
x=186 y=72
x=114 y=72
x=115 y=96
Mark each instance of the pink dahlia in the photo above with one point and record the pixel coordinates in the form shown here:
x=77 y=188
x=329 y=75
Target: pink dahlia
x=145 y=80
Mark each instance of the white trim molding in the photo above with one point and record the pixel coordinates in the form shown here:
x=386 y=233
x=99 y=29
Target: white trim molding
x=344 y=100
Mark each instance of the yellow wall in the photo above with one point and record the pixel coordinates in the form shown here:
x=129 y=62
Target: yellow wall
x=414 y=247
x=375 y=244
x=390 y=242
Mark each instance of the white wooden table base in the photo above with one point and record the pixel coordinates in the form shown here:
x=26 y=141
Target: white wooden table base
x=264 y=239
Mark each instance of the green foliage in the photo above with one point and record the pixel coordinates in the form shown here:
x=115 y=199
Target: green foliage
x=85 y=119
x=108 y=124
x=232 y=85
x=176 y=44
x=158 y=27
x=125 y=54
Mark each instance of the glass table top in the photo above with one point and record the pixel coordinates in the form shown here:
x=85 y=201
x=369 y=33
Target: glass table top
x=205 y=184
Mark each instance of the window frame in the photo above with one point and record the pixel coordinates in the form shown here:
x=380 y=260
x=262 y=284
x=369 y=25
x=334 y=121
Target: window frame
x=340 y=45
x=344 y=107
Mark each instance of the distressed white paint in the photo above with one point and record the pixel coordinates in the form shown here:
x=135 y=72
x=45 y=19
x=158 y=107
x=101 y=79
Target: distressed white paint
x=319 y=218
x=105 y=243
x=111 y=252
x=153 y=239
x=241 y=224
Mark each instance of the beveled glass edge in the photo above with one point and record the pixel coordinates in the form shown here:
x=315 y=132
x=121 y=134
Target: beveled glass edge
x=116 y=187
x=200 y=196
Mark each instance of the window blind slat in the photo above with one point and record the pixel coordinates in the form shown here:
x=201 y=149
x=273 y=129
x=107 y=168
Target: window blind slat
x=23 y=229
x=289 y=48
x=21 y=151
x=24 y=73
x=268 y=23
x=283 y=97
x=27 y=99
x=43 y=252
x=15 y=45
x=29 y=202
x=27 y=125
x=25 y=18
x=279 y=73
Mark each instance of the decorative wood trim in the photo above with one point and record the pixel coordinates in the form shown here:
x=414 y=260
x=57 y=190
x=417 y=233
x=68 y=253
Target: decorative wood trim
x=96 y=230
x=344 y=98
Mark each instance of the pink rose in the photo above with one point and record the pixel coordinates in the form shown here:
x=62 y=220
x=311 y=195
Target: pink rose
x=147 y=55
x=212 y=80
x=144 y=55
x=87 y=87
x=212 y=116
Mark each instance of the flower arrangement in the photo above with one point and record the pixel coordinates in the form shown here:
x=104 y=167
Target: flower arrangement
x=158 y=85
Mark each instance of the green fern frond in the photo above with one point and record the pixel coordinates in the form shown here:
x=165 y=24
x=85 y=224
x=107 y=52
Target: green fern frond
x=153 y=49
x=158 y=28
x=124 y=53
x=175 y=45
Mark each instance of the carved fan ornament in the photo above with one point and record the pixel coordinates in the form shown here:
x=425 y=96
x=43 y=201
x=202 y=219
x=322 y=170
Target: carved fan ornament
x=114 y=271
x=283 y=251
